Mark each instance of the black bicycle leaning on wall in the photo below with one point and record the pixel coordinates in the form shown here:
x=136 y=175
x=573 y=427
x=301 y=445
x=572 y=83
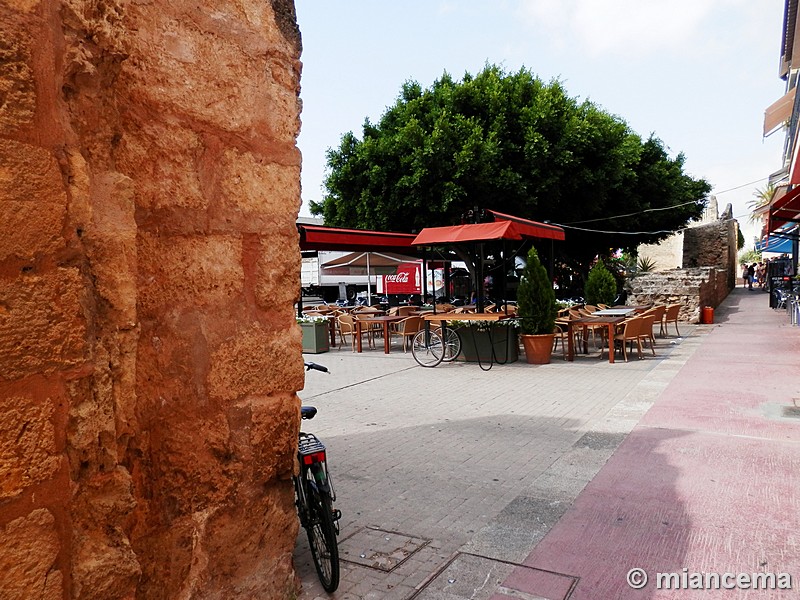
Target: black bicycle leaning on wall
x=314 y=497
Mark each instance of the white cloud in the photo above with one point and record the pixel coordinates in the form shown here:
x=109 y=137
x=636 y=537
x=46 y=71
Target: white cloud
x=629 y=27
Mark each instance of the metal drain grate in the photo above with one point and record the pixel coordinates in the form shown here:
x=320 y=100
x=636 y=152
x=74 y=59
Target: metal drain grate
x=482 y=578
x=379 y=549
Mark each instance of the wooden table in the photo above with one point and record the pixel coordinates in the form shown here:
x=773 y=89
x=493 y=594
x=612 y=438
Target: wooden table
x=615 y=312
x=332 y=328
x=638 y=308
x=610 y=321
x=385 y=321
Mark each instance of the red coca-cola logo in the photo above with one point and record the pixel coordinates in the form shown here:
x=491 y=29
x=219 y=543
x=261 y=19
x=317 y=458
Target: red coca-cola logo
x=398 y=278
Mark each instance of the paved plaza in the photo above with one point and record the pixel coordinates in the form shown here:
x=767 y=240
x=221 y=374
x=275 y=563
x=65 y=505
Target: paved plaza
x=554 y=481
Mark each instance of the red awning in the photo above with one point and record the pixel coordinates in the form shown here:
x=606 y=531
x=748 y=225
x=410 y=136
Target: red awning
x=504 y=227
x=479 y=232
x=528 y=228
x=784 y=210
x=319 y=237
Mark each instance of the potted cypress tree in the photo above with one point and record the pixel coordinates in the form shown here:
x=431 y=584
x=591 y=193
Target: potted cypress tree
x=536 y=309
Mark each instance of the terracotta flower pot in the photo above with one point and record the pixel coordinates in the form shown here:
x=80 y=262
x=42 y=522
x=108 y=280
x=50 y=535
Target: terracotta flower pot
x=538 y=348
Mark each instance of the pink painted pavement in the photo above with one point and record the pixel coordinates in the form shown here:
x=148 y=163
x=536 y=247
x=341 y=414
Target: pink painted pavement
x=707 y=482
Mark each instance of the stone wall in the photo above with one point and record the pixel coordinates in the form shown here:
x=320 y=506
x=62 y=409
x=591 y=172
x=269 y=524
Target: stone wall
x=709 y=273
x=713 y=245
x=148 y=354
x=693 y=288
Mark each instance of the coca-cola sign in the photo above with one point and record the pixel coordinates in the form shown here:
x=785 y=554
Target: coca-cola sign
x=405 y=281
x=398 y=278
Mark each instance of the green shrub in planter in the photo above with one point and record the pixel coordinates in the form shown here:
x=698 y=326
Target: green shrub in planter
x=536 y=300
x=601 y=287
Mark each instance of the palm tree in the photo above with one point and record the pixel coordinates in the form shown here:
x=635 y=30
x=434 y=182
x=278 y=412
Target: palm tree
x=763 y=199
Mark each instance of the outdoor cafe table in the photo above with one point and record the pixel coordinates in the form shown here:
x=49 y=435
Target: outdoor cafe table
x=332 y=328
x=384 y=320
x=615 y=312
x=611 y=321
x=637 y=308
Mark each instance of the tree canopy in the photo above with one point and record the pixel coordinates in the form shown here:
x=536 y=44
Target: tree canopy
x=512 y=143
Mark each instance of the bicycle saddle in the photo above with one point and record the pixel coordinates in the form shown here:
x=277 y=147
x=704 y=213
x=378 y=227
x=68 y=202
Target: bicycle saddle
x=308 y=412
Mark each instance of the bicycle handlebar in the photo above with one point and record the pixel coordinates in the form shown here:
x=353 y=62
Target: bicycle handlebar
x=316 y=367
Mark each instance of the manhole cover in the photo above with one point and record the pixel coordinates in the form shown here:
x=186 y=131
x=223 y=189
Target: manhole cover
x=481 y=578
x=378 y=549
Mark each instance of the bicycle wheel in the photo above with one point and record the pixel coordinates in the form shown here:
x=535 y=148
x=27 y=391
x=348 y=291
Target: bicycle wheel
x=427 y=348
x=321 y=532
x=452 y=344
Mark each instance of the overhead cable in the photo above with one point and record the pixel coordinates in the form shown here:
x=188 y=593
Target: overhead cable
x=636 y=213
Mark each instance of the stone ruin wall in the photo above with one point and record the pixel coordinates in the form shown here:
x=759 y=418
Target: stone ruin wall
x=693 y=288
x=149 y=185
x=713 y=245
x=709 y=255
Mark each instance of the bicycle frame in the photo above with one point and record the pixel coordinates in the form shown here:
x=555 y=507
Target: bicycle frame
x=314 y=497
x=312 y=456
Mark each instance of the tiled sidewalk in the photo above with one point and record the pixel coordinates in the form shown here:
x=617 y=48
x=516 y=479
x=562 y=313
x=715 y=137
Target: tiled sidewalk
x=709 y=480
x=461 y=483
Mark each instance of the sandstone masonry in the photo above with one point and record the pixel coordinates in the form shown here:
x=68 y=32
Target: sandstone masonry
x=149 y=185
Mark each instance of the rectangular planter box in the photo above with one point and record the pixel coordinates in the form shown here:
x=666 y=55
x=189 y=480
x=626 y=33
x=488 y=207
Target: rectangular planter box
x=476 y=346
x=316 y=338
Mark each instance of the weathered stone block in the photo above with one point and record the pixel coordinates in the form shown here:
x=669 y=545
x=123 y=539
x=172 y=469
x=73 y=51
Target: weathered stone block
x=28 y=453
x=104 y=564
x=276 y=285
x=256 y=194
x=194 y=463
x=42 y=325
x=17 y=83
x=188 y=271
x=32 y=200
x=273 y=436
x=167 y=158
x=256 y=362
x=29 y=549
x=111 y=246
x=176 y=65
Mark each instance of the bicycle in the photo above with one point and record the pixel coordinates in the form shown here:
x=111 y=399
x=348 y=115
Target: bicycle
x=430 y=347
x=314 y=498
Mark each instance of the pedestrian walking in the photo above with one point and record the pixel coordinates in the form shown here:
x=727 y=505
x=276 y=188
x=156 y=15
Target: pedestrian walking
x=751 y=275
x=745 y=275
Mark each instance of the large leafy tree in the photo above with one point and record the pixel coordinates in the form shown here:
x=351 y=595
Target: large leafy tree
x=515 y=144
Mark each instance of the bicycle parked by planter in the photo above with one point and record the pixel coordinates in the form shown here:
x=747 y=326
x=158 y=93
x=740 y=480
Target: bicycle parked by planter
x=314 y=497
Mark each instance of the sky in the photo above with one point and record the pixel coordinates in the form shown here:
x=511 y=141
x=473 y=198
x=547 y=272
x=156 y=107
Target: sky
x=698 y=74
